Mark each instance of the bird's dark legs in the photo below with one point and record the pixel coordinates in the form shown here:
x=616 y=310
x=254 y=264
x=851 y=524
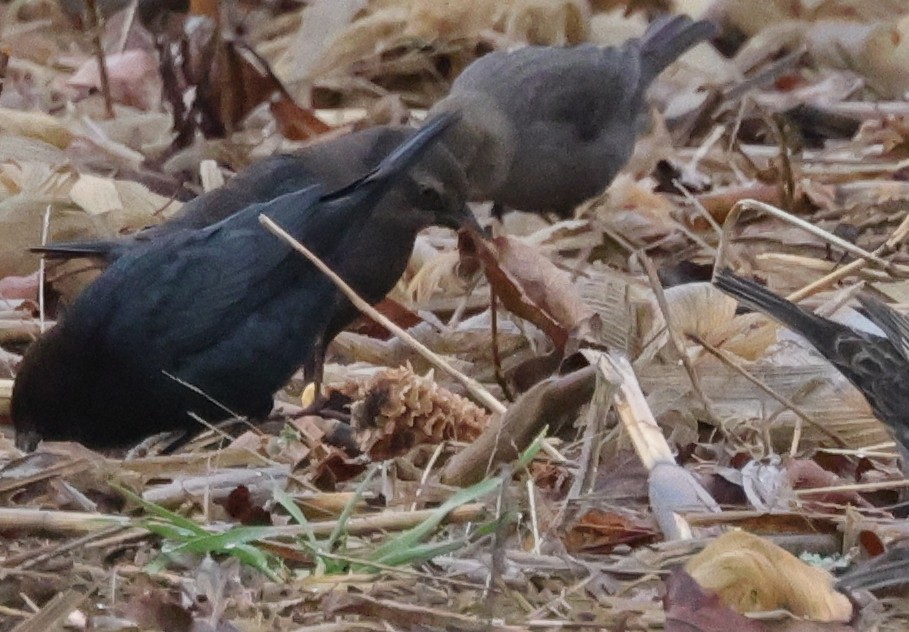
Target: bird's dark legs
x=313 y=371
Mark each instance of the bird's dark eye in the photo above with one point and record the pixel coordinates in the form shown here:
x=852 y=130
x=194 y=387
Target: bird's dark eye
x=430 y=197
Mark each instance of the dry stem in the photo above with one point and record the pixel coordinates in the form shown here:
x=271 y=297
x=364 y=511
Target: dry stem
x=474 y=388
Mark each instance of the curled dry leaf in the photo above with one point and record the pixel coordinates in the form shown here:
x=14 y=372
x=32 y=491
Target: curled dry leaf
x=532 y=287
x=552 y=402
x=718 y=202
x=879 y=52
x=360 y=40
x=766 y=485
x=892 y=132
x=599 y=532
x=751 y=574
x=296 y=122
x=690 y=608
x=454 y=24
x=149 y=133
x=431 y=270
x=320 y=24
x=699 y=310
x=547 y=22
x=635 y=209
x=240 y=506
x=398 y=409
x=805 y=474
x=613 y=27
x=430 y=20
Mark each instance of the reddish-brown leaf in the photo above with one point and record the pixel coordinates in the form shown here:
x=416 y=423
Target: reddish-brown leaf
x=532 y=287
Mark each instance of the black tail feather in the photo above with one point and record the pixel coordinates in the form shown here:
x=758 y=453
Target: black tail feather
x=667 y=38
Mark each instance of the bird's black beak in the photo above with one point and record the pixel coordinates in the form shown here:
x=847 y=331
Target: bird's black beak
x=463 y=219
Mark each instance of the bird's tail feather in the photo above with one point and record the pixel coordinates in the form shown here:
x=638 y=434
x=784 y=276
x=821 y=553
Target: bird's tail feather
x=759 y=298
x=402 y=157
x=894 y=325
x=666 y=39
x=102 y=249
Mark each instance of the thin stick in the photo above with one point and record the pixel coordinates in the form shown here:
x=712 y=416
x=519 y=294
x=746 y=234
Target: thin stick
x=699 y=207
x=755 y=205
x=97 y=23
x=674 y=335
x=854 y=487
x=4 y=64
x=474 y=388
x=496 y=354
x=723 y=357
x=534 y=519
x=42 y=270
x=889 y=246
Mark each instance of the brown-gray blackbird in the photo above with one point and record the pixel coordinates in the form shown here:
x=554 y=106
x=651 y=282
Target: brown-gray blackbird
x=331 y=164
x=545 y=128
x=877 y=366
x=228 y=309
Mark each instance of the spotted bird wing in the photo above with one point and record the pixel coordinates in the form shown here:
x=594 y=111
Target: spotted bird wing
x=894 y=325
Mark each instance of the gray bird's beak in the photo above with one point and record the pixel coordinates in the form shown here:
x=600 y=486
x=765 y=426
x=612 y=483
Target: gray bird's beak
x=465 y=219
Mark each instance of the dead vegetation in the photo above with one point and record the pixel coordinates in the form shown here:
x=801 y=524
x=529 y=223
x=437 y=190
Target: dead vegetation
x=624 y=422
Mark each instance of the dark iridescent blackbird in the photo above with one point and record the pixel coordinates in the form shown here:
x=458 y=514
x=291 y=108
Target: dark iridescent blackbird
x=228 y=309
x=331 y=164
x=545 y=128
x=878 y=366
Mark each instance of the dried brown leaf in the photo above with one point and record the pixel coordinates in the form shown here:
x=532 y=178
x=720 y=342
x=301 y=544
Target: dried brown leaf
x=550 y=403
x=690 y=608
x=532 y=287
x=751 y=574
x=599 y=532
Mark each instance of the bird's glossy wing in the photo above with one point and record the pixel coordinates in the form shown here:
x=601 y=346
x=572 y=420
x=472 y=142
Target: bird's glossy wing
x=261 y=182
x=894 y=325
x=186 y=292
x=375 y=183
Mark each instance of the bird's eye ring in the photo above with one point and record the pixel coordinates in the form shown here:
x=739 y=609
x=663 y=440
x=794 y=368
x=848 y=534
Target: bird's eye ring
x=430 y=195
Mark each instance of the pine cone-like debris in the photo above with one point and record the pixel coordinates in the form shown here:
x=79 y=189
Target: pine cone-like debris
x=398 y=409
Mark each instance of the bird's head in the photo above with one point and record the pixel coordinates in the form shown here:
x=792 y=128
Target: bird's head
x=436 y=192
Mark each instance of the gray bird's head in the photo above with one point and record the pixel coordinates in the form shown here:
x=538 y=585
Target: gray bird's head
x=435 y=192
